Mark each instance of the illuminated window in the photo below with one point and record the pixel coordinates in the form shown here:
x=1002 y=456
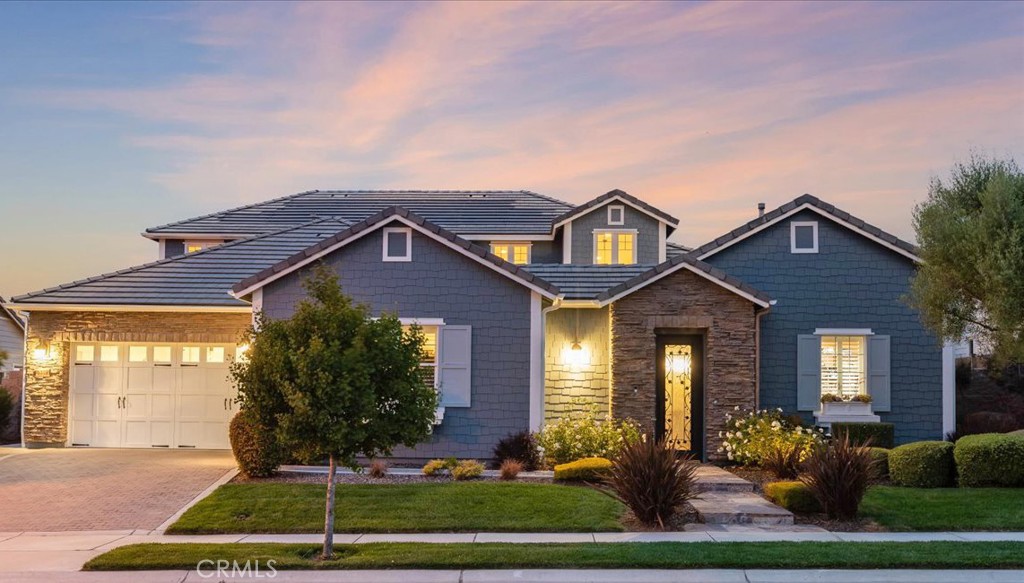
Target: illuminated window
x=518 y=253
x=109 y=353
x=190 y=354
x=215 y=354
x=85 y=353
x=843 y=365
x=193 y=246
x=137 y=354
x=428 y=359
x=162 y=354
x=614 y=247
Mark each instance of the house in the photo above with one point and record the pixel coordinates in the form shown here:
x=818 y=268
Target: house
x=532 y=308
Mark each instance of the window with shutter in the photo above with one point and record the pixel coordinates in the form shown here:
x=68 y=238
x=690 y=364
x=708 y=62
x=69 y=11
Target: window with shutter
x=454 y=367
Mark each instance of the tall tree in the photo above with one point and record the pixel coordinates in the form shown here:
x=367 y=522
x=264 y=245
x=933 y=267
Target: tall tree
x=335 y=383
x=971 y=234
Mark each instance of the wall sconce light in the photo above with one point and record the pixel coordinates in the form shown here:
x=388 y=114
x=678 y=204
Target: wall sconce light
x=576 y=356
x=42 y=352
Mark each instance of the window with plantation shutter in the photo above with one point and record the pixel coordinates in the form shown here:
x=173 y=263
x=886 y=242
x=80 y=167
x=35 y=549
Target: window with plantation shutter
x=843 y=365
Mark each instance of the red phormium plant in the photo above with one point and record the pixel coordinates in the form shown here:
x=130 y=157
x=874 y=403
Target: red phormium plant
x=652 y=480
x=838 y=473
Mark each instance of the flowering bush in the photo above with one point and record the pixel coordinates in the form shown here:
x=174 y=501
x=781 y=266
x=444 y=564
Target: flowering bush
x=584 y=434
x=749 y=439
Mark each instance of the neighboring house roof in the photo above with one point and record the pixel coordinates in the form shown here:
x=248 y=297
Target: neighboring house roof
x=696 y=266
x=464 y=212
x=380 y=219
x=202 y=278
x=619 y=195
x=813 y=203
x=673 y=249
x=585 y=282
x=11 y=314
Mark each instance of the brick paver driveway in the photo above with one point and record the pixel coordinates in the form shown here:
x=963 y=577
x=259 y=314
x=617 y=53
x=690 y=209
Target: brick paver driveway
x=102 y=489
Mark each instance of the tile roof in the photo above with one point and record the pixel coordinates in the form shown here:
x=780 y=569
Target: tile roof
x=793 y=205
x=202 y=278
x=673 y=249
x=11 y=314
x=585 y=282
x=483 y=253
x=624 y=196
x=464 y=212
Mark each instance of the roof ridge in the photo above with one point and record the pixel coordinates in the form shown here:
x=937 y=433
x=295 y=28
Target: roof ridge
x=166 y=260
x=230 y=210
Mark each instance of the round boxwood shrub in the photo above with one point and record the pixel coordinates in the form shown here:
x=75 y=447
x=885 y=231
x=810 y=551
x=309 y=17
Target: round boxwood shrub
x=590 y=469
x=874 y=434
x=924 y=464
x=255 y=447
x=794 y=496
x=880 y=456
x=990 y=459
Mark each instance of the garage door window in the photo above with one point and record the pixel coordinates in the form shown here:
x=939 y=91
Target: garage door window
x=110 y=353
x=162 y=354
x=215 y=354
x=190 y=355
x=85 y=354
x=138 y=354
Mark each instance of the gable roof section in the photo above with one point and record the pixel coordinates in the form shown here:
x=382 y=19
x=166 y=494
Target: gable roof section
x=381 y=219
x=616 y=195
x=584 y=282
x=712 y=274
x=199 y=280
x=464 y=212
x=813 y=203
x=11 y=314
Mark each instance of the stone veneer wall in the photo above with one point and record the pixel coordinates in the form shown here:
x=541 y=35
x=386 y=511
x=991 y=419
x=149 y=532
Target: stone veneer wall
x=568 y=389
x=47 y=382
x=684 y=302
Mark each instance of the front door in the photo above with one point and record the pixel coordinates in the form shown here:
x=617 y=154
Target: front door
x=680 y=393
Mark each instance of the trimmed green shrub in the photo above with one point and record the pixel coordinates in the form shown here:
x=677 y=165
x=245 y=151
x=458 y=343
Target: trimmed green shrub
x=879 y=434
x=435 y=467
x=588 y=469
x=793 y=495
x=990 y=459
x=255 y=447
x=924 y=464
x=880 y=456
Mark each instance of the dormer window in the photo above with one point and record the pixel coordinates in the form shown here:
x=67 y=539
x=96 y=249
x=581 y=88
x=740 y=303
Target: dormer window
x=193 y=246
x=803 y=237
x=616 y=215
x=398 y=244
x=615 y=247
x=517 y=253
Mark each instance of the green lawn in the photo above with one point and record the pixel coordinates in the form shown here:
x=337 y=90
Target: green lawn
x=945 y=508
x=421 y=507
x=800 y=555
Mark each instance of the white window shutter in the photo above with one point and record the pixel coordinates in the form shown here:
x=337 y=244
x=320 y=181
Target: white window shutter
x=808 y=372
x=454 y=365
x=879 y=374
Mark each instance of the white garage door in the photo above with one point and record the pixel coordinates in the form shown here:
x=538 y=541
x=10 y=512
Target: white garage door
x=151 y=395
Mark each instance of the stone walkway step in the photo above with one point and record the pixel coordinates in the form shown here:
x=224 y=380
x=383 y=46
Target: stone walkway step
x=715 y=479
x=739 y=508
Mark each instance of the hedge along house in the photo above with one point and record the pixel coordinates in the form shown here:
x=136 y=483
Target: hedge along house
x=533 y=308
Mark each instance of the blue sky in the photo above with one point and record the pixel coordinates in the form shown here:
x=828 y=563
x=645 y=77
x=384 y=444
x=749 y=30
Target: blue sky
x=119 y=116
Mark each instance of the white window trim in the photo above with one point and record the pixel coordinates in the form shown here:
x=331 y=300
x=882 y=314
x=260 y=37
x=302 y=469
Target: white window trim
x=408 y=244
x=622 y=214
x=615 y=244
x=511 y=252
x=203 y=244
x=792 y=236
x=422 y=321
x=843 y=332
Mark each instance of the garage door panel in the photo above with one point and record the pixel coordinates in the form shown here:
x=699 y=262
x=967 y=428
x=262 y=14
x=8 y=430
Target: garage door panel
x=162 y=406
x=140 y=379
x=163 y=379
x=107 y=406
x=108 y=434
x=108 y=379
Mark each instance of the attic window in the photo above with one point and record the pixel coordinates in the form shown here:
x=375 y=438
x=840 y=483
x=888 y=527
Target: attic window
x=616 y=215
x=193 y=246
x=803 y=237
x=398 y=244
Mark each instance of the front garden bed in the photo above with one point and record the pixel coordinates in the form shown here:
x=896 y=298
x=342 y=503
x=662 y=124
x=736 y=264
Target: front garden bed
x=778 y=555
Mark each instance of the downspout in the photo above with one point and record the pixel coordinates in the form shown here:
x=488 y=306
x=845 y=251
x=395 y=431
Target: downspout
x=757 y=353
x=555 y=305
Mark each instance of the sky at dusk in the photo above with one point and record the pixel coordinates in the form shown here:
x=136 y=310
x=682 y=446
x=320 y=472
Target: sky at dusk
x=116 y=117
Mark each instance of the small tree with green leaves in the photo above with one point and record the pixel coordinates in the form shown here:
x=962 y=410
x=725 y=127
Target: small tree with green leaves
x=333 y=382
x=971 y=233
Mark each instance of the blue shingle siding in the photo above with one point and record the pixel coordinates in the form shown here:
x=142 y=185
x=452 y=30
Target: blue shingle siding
x=852 y=282
x=583 y=233
x=440 y=283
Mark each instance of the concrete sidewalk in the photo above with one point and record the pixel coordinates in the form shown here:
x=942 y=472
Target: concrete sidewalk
x=543 y=576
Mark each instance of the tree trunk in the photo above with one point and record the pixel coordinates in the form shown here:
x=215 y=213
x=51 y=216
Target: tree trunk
x=328 y=552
